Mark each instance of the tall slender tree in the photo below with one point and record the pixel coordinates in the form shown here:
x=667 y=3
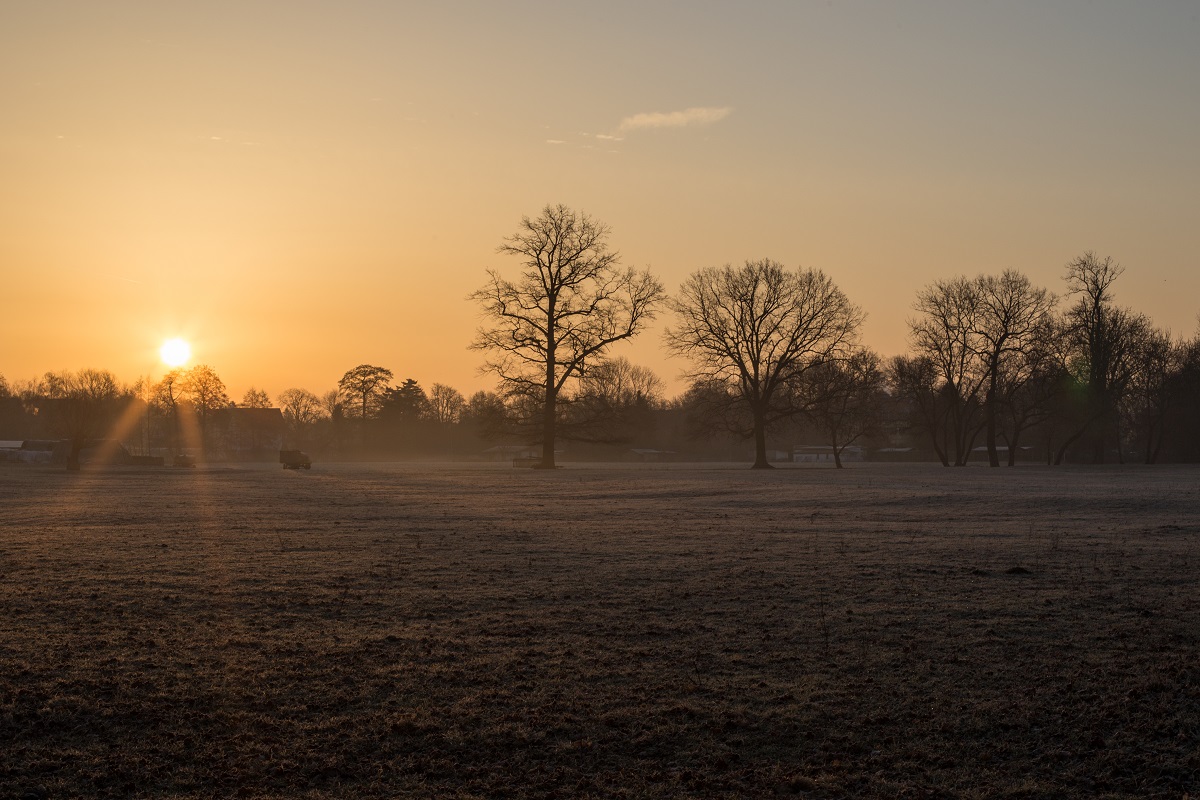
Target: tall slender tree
x=1013 y=320
x=944 y=336
x=1103 y=339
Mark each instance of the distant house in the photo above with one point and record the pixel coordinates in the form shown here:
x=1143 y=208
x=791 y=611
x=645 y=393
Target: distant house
x=1023 y=451
x=896 y=454
x=512 y=452
x=16 y=451
x=817 y=453
x=649 y=455
x=55 y=451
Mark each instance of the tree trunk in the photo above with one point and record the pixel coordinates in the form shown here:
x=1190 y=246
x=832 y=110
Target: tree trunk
x=837 y=454
x=549 y=410
x=990 y=437
x=1070 y=440
x=548 y=419
x=760 y=442
x=967 y=448
x=940 y=448
x=1098 y=455
x=73 y=455
x=1012 y=447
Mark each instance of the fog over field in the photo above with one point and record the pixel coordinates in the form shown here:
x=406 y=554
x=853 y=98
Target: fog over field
x=381 y=630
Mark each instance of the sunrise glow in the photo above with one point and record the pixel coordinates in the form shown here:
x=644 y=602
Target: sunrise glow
x=175 y=352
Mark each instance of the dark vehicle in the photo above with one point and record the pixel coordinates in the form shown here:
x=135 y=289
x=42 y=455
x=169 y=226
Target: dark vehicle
x=183 y=460
x=294 y=459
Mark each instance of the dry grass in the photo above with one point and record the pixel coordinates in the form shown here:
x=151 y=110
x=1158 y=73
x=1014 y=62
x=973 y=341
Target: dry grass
x=404 y=630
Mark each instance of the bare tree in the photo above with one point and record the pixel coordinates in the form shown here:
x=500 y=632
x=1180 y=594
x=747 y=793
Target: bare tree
x=1183 y=409
x=945 y=334
x=1157 y=363
x=985 y=336
x=613 y=402
x=486 y=414
x=301 y=410
x=205 y=391
x=1013 y=321
x=1032 y=396
x=847 y=398
x=331 y=404
x=570 y=303
x=83 y=406
x=917 y=381
x=446 y=403
x=758 y=328
x=255 y=398
x=1102 y=337
x=300 y=406
x=166 y=396
x=620 y=383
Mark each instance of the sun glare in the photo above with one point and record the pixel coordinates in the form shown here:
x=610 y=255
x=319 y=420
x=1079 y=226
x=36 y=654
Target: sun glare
x=175 y=352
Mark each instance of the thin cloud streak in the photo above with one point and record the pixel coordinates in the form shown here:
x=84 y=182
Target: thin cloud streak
x=675 y=119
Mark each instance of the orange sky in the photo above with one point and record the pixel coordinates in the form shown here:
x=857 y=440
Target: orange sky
x=300 y=188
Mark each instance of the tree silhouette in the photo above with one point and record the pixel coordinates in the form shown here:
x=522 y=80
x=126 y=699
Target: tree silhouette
x=300 y=407
x=255 y=398
x=446 y=403
x=945 y=338
x=570 y=303
x=758 y=329
x=363 y=389
x=406 y=403
x=83 y=406
x=847 y=398
x=205 y=391
x=1103 y=339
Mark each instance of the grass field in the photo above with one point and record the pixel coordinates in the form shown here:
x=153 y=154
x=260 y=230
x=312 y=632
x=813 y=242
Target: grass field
x=692 y=631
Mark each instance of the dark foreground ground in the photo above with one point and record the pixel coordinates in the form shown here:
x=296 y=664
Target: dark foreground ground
x=438 y=631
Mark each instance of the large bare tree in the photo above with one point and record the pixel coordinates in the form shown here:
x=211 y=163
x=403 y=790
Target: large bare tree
x=758 y=329
x=944 y=335
x=570 y=303
x=1013 y=321
x=1103 y=338
x=300 y=406
x=1157 y=362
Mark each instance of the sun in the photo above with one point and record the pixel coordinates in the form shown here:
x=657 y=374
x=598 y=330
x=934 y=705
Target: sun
x=175 y=352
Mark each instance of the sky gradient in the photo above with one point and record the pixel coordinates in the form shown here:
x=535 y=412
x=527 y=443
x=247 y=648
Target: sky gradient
x=298 y=188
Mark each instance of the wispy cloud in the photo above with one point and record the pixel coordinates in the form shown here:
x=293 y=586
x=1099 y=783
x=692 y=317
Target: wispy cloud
x=675 y=119
x=555 y=141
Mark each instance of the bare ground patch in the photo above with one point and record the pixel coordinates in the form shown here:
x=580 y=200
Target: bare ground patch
x=392 y=630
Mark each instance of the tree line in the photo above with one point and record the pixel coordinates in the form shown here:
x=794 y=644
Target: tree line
x=774 y=354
